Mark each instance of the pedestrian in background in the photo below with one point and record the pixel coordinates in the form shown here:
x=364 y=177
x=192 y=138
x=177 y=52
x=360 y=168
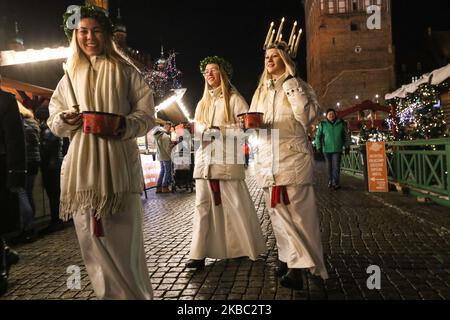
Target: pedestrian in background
x=246 y=153
x=32 y=143
x=51 y=160
x=12 y=179
x=332 y=139
x=164 y=146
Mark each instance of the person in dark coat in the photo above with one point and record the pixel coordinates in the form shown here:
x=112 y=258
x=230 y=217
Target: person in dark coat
x=51 y=160
x=32 y=146
x=12 y=179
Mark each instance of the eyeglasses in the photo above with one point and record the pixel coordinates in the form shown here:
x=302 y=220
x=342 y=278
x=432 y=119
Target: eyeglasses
x=210 y=71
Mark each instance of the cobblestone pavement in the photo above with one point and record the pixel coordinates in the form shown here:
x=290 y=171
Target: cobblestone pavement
x=410 y=242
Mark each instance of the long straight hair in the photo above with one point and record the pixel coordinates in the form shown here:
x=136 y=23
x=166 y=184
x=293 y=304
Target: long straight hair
x=205 y=102
x=290 y=69
x=77 y=55
x=25 y=112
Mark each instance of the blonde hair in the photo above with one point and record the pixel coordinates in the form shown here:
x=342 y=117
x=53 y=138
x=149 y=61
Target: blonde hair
x=205 y=103
x=290 y=69
x=77 y=55
x=26 y=113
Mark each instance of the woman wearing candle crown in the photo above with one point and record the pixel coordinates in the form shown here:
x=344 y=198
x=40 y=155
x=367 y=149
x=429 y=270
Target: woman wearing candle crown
x=101 y=177
x=284 y=166
x=225 y=222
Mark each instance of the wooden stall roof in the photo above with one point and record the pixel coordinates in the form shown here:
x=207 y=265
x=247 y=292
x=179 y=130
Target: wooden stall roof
x=14 y=86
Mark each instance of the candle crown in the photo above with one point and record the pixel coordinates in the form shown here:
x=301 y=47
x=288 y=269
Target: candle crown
x=290 y=47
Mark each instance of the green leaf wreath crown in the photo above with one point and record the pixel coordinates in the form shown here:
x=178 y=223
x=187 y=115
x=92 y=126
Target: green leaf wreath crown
x=223 y=64
x=88 y=11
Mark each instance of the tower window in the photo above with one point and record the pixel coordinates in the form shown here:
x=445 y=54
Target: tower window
x=372 y=2
x=354 y=26
x=355 y=5
x=342 y=6
x=330 y=6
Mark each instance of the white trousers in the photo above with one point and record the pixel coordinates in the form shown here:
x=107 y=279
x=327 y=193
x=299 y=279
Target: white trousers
x=229 y=230
x=297 y=231
x=116 y=263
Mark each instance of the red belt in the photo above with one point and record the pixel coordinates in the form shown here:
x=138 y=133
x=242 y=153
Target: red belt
x=98 y=231
x=277 y=191
x=215 y=187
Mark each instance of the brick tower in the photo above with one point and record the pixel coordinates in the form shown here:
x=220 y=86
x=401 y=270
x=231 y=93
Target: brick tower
x=99 y=3
x=348 y=59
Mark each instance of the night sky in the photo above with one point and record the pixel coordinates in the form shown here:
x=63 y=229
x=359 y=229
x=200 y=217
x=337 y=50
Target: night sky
x=233 y=29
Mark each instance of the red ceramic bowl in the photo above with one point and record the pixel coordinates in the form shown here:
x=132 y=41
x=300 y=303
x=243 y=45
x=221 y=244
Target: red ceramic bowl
x=251 y=120
x=101 y=123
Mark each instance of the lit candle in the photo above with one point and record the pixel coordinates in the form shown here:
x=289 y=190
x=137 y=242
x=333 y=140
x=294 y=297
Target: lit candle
x=291 y=47
x=271 y=38
x=279 y=30
x=280 y=38
x=71 y=91
x=297 y=42
x=290 y=43
x=269 y=33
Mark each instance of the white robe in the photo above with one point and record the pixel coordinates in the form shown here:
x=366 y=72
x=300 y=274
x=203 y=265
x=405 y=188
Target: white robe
x=116 y=263
x=103 y=177
x=232 y=229
x=290 y=106
x=296 y=228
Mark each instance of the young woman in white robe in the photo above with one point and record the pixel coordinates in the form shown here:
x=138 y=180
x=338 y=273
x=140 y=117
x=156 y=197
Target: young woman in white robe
x=101 y=178
x=225 y=223
x=284 y=167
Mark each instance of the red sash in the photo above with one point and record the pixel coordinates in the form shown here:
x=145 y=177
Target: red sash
x=215 y=187
x=98 y=232
x=277 y=191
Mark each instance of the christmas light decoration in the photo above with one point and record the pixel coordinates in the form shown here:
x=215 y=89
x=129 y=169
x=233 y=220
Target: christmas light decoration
x=163 y=78
x=9 y=58
x=419 y=115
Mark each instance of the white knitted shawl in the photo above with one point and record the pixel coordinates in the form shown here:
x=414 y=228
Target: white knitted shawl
x=97 y=173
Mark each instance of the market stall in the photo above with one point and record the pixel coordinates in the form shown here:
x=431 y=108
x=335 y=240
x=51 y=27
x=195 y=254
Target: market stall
x=422 y=108
x=32 y=97
x=170 y=109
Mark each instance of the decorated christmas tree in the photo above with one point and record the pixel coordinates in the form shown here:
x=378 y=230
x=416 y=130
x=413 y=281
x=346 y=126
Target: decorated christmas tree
x=419 y=115
x=164 y=76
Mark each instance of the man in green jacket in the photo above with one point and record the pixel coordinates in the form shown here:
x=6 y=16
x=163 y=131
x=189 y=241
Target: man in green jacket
x=332 y=136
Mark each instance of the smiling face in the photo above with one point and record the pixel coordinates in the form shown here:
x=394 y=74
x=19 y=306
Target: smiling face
x=212 y=75
x=274 y=64
x=91 y=37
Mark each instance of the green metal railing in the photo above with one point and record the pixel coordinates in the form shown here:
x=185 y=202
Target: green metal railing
x=421 y=165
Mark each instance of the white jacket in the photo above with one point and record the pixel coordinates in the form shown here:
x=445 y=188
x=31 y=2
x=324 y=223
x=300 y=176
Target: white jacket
x=290 y=106
x=205 y=168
